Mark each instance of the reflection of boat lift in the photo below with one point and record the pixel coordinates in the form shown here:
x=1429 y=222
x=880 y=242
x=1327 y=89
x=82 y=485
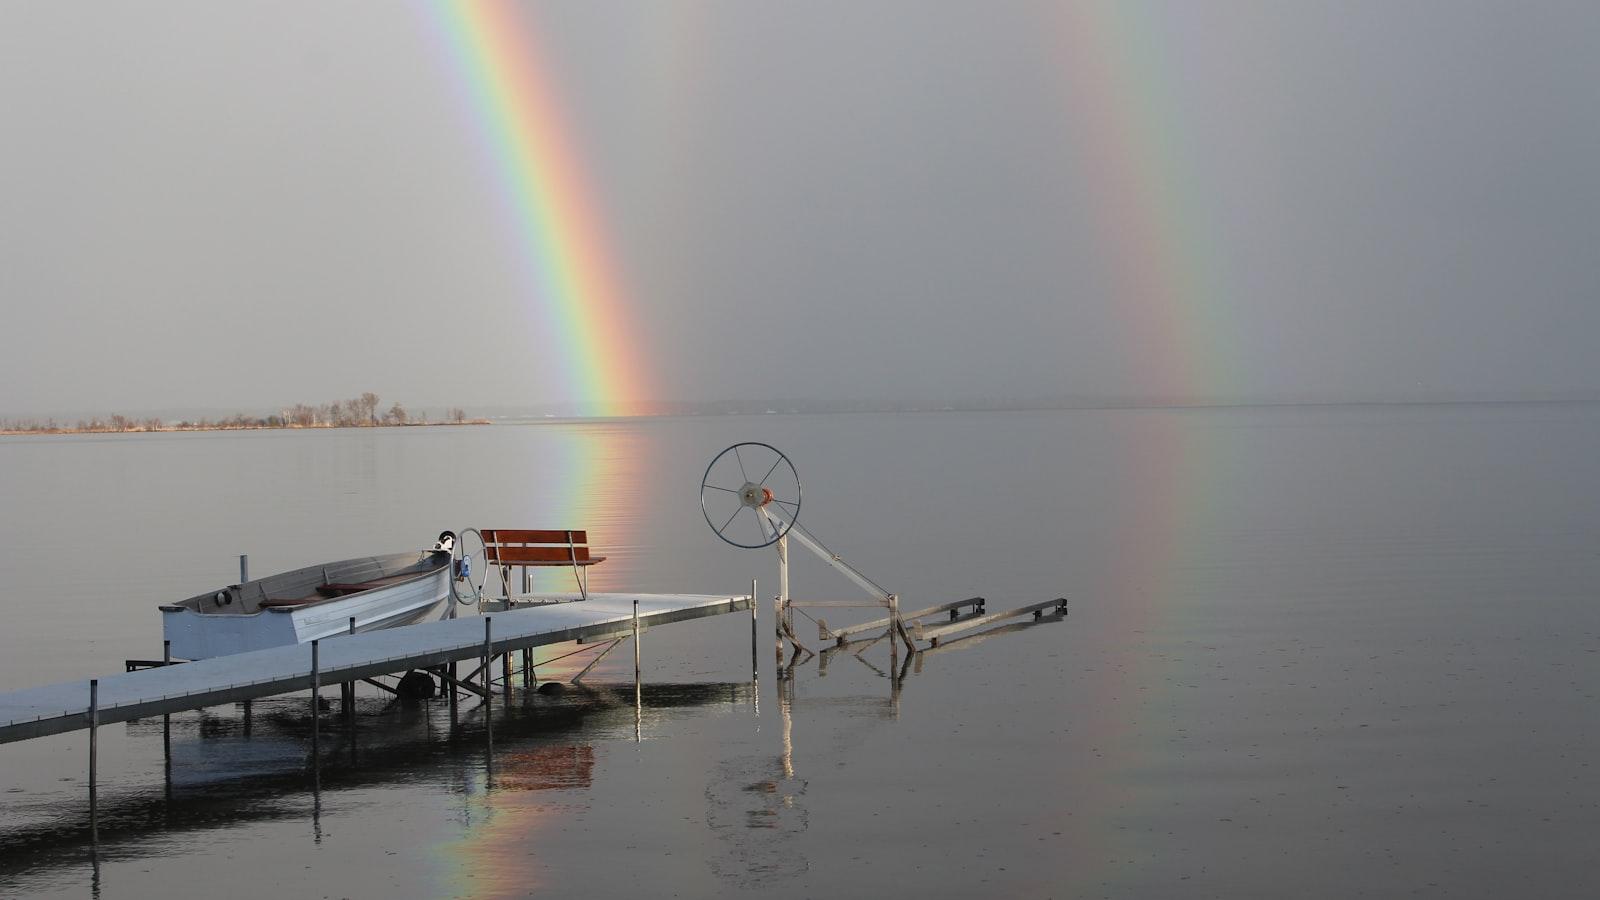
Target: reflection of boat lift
x=776 y=517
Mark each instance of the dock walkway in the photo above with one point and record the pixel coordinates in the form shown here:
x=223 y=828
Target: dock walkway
x=53 y=709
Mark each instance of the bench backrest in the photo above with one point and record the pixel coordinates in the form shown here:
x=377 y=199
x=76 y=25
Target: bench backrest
x=534 y=547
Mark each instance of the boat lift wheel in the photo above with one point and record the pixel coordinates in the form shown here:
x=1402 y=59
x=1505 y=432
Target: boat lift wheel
x=471 y=557
x=750 y=495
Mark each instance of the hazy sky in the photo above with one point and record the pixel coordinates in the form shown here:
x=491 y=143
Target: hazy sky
x=250 y=204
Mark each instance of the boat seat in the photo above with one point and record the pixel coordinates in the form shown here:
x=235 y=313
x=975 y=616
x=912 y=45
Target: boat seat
x=280 y=602
x=341 y=588
x=538 y=548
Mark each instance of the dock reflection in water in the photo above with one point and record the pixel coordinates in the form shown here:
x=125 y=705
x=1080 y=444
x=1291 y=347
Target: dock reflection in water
x=225 y=771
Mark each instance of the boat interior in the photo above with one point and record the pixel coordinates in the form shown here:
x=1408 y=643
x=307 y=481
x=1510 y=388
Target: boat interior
x=315 y=584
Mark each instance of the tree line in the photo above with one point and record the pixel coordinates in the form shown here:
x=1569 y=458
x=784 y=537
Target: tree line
x=357 y=412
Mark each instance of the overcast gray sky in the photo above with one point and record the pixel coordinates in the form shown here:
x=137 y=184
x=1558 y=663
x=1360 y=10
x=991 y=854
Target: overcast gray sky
x=250 y=204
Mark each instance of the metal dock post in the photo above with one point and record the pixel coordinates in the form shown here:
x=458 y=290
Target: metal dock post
x=316 y=688
x=488 y=647
x=347 y=690
x=94 y=743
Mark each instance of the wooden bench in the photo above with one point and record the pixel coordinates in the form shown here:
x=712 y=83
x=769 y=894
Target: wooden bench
x=504 y=548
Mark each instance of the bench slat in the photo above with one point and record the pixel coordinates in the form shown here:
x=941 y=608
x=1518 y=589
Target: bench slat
x=540 y=555
x=531 y=536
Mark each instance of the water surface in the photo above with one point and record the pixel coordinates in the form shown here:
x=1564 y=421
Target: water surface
x=1311 y=651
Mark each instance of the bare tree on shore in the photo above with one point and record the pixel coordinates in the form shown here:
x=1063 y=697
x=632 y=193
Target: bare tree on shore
x=359 y=411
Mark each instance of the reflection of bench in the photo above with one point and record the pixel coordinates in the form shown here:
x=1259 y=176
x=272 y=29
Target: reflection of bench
x=536 y=548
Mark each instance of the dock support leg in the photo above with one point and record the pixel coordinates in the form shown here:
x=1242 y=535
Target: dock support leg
x=347 y=691
x=448 y=675
x=505 y=673
x=488 y=645
x=166 y=732
x=894 y=637
x=777 y=634
x=94 y=754
x=755 y=668
x=638 y=687
x=316 y=689
x=528 y=678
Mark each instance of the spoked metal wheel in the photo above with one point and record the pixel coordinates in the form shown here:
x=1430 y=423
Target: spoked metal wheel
x=750 y=495
x=469 y=562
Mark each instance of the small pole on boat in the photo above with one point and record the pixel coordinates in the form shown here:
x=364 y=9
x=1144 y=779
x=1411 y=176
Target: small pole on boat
x=244 y=567
x=94 y=752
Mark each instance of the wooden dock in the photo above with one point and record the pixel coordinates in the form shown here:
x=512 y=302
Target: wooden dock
x=53 y=709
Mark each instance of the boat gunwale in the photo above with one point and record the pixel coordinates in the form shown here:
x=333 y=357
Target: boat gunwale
x=427 y=558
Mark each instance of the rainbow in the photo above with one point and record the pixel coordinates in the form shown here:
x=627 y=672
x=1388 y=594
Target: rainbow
x=1168 y=285
x=1148 y=204
x=558 y=225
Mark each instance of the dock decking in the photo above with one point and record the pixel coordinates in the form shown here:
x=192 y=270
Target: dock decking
x=53 y=709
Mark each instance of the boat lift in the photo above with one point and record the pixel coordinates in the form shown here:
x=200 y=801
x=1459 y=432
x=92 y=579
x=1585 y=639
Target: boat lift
x=773 y=501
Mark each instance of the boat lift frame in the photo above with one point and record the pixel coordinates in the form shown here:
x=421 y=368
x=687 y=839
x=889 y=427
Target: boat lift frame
x=894 y=625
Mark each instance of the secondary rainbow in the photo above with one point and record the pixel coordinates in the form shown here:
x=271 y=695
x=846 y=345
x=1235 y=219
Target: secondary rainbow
x=557 y=222
x=1168 y=286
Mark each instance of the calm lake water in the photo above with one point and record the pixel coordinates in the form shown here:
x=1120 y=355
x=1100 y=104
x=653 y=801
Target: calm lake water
x=1311 y=652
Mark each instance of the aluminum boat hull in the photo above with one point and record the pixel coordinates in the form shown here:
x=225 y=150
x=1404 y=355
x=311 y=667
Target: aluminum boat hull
x=255 y=615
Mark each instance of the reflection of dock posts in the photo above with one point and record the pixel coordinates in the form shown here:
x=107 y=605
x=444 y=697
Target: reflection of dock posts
x=347 y=691
x=785 y=704
x=94 y=754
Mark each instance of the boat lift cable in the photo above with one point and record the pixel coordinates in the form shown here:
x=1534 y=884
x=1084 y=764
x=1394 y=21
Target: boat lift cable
x=838 y=559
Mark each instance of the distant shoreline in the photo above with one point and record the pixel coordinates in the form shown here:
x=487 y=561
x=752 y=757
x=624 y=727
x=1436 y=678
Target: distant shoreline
x=357 y=412
x=142 y=429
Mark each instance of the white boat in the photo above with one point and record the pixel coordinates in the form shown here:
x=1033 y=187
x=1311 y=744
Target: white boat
x=312 y=603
